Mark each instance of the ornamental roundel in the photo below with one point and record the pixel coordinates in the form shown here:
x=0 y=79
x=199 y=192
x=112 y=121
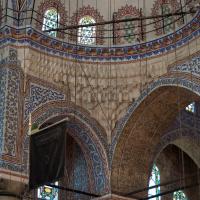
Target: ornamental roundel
x=52 y=5
x=163 y=7
x=93 y=15
x=130 y=31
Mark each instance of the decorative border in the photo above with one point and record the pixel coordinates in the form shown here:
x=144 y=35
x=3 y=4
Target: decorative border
x=94 y=13
x=39 y=41
x=44 y=6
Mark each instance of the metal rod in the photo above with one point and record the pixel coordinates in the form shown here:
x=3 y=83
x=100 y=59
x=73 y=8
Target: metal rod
x=163 y=184
x=32 y=12
x=163 y=19
x=6 y=10
x=182 y=11
x=114 y=38
x=141 y=24
x=171 y=191
x=73 y=190
x=119 y=21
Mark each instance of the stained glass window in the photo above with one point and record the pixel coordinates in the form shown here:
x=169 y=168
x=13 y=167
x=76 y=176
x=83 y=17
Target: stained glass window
x=179 y=195
x=129 y=28
x=86 y=35
x=190 y=107
x=51 y=21
x=168 y=25
x=154 y=180
x=47 y=193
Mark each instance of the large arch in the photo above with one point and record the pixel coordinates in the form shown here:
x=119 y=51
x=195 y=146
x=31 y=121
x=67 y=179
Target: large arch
x=85 y=131
x=138 y=133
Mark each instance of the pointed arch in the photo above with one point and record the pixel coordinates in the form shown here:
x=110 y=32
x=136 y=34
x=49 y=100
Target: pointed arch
x=84 y=131
x=145 y=123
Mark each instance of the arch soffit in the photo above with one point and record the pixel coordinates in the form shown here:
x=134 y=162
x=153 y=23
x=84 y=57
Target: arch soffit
x=185 y=138
x=126 y=134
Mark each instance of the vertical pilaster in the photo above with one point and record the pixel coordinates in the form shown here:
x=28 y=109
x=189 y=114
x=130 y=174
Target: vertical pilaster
x=3 y=85
x=11 y=113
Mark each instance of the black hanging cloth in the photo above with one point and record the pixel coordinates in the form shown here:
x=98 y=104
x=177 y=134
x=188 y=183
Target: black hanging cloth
x=47 y=155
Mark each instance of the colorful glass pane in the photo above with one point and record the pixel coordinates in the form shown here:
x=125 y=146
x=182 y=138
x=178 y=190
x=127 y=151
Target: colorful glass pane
x=168 y=25
x=48 y=193
x=179 y=195
x=154 y=180
x=191 y=107
x=86 y=35
x=51 y=20
x=129 y=28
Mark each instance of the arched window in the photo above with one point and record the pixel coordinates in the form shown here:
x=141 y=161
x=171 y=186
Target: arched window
x=86 y=35
x=154 y=180
x=47 y=193
x=191 y=107
x=51 y=21
x=179 y=195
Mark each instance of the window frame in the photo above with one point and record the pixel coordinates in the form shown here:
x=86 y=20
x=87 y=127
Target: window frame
x=80 y=30
x=182 y=197
x=45 y=20
x=154 y=180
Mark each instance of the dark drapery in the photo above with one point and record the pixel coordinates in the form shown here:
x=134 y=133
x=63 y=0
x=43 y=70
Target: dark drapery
x=47 y=155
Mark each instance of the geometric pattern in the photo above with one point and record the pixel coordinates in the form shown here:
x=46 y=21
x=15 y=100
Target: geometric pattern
x=165 y=7
x=127 y=31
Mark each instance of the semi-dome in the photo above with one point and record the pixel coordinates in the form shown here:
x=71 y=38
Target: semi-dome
x=116 y=22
